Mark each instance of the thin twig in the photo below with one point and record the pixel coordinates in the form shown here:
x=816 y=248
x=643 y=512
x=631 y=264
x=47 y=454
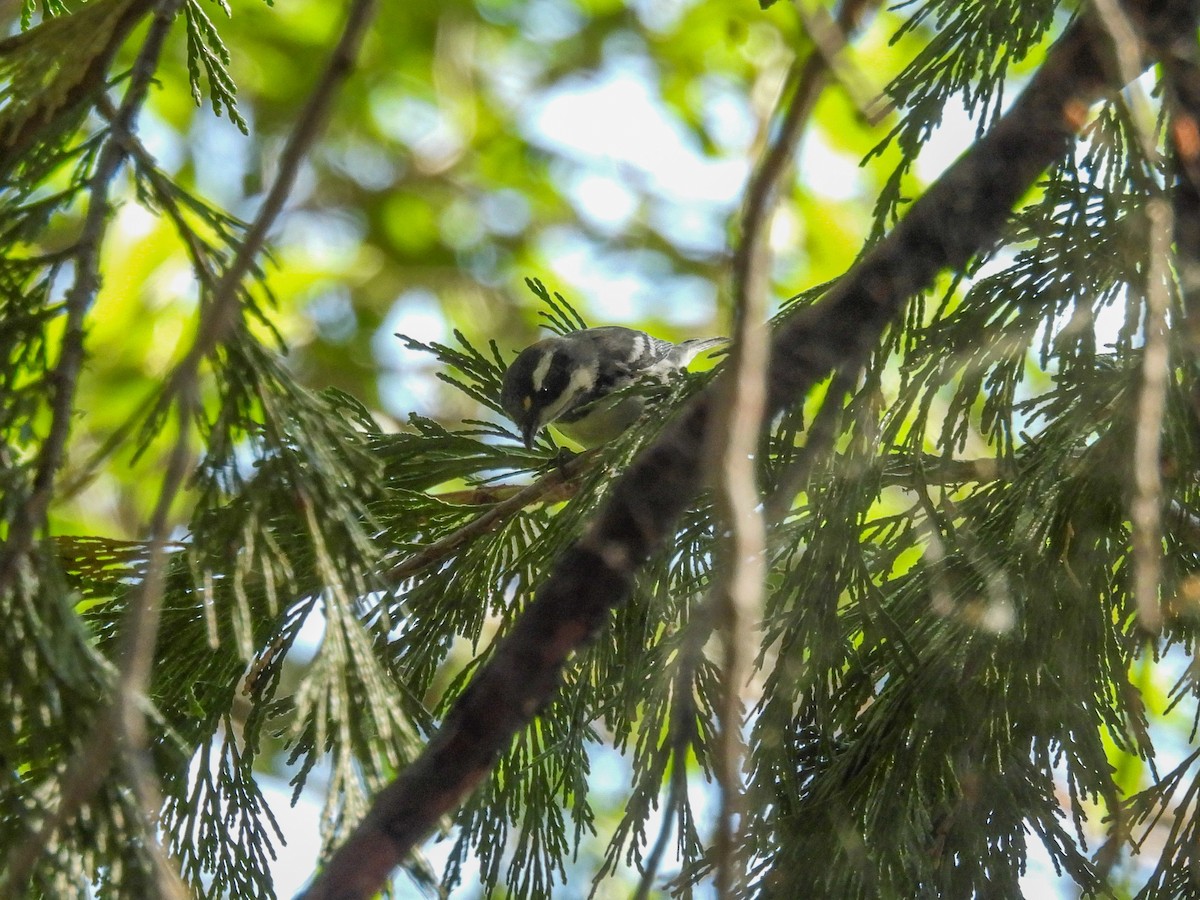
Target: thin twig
x=734 y=437
x=487 y=494
x=829 y=36
x=1145 y=507
x=162 y=189
x=222 y=314
x=82 y=294
x=91 y=764
x=135 y=150
x=672 y=806
x=741 y=555
x=139 y=633
x=1147 y=504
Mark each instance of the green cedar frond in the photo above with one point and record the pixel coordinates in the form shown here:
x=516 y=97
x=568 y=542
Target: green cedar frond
x=1177 y=789
x=53 y=669
x=483 y=374
x=970 y=49
x=206 y=48
x=49 y=74
x=560 y=316
x=48 y=8
x=949 y=642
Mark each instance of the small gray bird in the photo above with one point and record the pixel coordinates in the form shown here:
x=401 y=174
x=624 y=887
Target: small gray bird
x=565 y=380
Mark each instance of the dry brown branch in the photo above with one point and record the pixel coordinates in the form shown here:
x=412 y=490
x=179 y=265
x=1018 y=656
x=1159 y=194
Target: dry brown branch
x=738 y=418
x=1145 y=506
x=487 y=494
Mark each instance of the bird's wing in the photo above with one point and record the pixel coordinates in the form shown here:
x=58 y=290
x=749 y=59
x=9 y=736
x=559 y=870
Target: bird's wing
x=641 y=353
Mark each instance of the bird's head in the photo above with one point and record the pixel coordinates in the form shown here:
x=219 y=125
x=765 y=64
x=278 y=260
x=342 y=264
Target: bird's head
x=546 y=380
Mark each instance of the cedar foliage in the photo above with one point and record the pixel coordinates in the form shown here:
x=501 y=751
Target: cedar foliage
x=951 y=668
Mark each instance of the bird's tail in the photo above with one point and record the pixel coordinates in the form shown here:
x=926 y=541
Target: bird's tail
x=689 y=350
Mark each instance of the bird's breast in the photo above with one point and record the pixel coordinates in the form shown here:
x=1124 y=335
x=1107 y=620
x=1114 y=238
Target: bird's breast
x=600 y=421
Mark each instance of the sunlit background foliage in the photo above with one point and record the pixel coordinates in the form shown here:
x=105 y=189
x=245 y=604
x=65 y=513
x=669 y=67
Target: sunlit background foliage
x=599 y=146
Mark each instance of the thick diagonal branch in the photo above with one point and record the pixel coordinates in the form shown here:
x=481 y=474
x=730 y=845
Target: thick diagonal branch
x=961 y=215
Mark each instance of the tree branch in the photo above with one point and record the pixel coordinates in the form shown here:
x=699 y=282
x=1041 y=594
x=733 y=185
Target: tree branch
x=738 y=418
x=94 y=759
x=222 y=313
x=1181 y=67
x=551 y=485
x=1145 y=506
x=958 y=217
x=487 y=494
x=82 y=294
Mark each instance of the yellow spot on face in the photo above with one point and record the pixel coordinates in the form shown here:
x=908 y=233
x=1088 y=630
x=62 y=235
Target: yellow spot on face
x=526 y=402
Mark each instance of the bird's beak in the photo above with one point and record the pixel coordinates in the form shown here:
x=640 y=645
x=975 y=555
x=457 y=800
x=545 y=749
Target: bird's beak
x=528 y=433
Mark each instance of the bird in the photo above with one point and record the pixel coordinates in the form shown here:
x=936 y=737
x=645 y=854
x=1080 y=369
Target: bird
x=565 y=379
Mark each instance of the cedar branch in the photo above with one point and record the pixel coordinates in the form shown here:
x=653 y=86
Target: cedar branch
x=549 y=487
x=90 y=765
x=63 y=381
x=961 y=215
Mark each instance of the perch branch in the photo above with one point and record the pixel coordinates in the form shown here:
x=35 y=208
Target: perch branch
x=1145 y=506
x=549 y=486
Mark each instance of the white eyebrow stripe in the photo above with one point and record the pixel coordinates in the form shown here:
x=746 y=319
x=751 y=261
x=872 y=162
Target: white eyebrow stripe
x=579 y=382
x=583 y=377
x=539 y=373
